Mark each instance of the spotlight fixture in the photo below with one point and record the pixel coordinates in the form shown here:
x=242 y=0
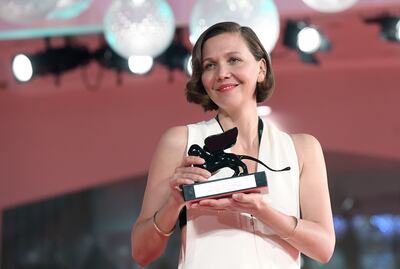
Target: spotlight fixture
x=306 y=39
x=108 y=58
x=140 y=65
x=177 y=56
x=52 y=60
x=390 y=26
x=57 y=60
x=22 y=68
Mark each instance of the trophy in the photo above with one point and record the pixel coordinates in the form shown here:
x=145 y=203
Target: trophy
x=216 y=158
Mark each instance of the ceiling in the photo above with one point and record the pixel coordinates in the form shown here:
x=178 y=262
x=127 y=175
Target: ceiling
x=90 y=130
x=90 y=21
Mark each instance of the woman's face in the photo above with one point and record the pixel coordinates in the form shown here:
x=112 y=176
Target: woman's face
x=230 y=71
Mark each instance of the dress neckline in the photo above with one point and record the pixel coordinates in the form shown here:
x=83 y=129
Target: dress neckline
x=260 y=127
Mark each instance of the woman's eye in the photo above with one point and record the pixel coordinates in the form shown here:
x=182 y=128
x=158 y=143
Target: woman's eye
x=208 y=66
x=234 y=60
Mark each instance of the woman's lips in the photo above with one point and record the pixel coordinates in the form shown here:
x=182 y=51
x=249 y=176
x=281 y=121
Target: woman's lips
x=226 y=87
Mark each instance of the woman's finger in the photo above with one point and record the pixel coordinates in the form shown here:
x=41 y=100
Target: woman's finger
x=221 y=203
x=193 y=170
x=239 y=197
x=246 y=197
x=191 y=160
x=180 y=181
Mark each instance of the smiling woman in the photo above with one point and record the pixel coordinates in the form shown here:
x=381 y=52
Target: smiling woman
x=232 y=72
x=233 y=51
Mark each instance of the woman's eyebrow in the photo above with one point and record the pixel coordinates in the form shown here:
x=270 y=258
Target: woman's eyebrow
x=226 y=54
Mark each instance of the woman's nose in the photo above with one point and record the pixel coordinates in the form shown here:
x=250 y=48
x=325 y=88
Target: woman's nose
x=223 y=72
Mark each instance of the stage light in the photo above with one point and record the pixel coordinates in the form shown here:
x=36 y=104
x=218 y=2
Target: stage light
x=139 y=27
x=140 y=65
x=264 y=111
x=387 y=224
x=22 y=68
x=57 y=60
x=306 y=39
x=177 y=56
x=261 y=15
x=309 y=40
x=52 y=60
x=398 y=30
x=68 y=9
x=26 y=11
x=188 y=65
x=330 y=5
x=390 y=26
x=108 y=58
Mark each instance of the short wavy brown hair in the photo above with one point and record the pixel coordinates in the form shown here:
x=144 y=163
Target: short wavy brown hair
x=195 y=92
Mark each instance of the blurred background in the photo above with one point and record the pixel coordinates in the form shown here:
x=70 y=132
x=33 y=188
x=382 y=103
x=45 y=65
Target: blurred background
x=87 y=87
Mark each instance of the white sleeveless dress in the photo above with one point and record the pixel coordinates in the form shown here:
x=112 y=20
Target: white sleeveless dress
x=236 y=240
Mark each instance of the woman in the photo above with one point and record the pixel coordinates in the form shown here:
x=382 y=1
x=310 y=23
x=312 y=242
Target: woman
x=231 y=74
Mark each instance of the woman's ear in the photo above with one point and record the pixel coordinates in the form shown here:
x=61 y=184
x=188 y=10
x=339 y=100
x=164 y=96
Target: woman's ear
x=262 y=70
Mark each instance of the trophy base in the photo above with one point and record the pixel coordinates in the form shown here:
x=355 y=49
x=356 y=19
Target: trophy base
x=224 y=187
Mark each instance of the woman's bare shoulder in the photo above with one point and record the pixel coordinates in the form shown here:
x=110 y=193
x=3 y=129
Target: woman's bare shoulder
x=307 y=147
x=173 y=141
x=174 y=138
x=168 y=155
x=305 y=140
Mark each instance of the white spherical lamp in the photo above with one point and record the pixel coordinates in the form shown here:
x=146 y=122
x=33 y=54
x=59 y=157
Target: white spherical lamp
x=67 y=9
x=260 y=15
x=330 y=5
x=25 y=11
x=139 y=27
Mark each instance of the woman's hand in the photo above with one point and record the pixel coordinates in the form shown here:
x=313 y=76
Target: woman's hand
x=250 y=203
x=187 y=174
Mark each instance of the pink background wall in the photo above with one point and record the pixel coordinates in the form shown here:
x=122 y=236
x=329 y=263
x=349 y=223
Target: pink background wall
x=56 y=140
x=60 y=139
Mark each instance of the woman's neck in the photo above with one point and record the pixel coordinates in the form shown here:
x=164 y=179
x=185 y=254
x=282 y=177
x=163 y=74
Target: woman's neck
x=246 y=120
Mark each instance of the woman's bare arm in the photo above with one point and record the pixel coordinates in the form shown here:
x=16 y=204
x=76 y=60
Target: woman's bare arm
x=168 y=170
x=314 y=234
